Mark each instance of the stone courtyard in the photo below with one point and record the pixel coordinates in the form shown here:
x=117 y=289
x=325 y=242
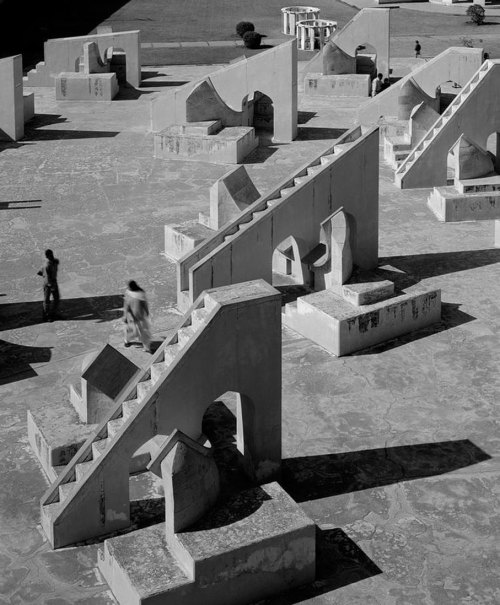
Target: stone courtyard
x=392 y=451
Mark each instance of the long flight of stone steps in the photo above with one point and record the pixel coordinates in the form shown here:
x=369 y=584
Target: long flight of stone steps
x=261 y=208
x=420 y=149
x=121 y=418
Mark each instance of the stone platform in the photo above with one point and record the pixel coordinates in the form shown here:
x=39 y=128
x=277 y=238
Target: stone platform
x=86 y=87
x=342 y=328
x=205 y=141
x=396 y=150
x=449 y=205
x=348 y=85
x=182 y=238
x=258 y=543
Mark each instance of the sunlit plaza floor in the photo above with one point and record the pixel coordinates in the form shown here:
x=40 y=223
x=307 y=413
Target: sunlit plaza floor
x=396 y=448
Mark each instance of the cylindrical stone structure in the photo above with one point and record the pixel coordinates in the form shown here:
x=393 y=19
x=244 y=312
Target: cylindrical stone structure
x=312 y=31
x=292 y=14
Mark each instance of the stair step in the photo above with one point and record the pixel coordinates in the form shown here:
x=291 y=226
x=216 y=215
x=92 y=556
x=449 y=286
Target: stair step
x=99 y=447
x=184 y=335
x=171 y=352
x=258 y=213
x=286 y=191
x=244 y=226
x=313 y=169
x=65 y=490
x=326 y=159
x=298 y=180
x=82 y=468
x=143 y=388
x=157 y=370
x=130 y=407
x=230 y=237
x=198 y=316
x=114 y=426
x=273 y=202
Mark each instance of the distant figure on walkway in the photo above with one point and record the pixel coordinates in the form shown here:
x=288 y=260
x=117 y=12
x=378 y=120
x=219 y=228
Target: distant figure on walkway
x=136 y=316
x=50 y=285
x=418 y=48
x=377 y=85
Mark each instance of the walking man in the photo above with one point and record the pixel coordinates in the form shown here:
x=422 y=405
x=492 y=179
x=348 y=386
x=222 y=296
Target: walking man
x=136 y=316
x=418 y=48
x=50 y=286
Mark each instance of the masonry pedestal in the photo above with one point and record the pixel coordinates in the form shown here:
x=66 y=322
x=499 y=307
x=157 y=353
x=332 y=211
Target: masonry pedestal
x=330 y=319
x=257 y=544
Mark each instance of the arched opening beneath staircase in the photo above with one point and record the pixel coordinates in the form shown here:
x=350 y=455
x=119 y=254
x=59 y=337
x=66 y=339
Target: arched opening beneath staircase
x=366 y=60
x=117 y=59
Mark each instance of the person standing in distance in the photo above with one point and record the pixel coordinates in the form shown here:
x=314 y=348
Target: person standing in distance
x=50 y=285
x=136 y=316
x=418 y=48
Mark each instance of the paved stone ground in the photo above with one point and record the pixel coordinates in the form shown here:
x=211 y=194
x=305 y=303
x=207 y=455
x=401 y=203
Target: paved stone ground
x=393 y=451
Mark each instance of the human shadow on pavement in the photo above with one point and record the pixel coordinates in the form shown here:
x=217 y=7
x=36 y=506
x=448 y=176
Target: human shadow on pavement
x=100 y=308
x=16 y=360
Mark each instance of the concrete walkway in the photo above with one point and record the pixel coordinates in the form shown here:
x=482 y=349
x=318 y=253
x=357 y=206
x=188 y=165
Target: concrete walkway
x=425 y=7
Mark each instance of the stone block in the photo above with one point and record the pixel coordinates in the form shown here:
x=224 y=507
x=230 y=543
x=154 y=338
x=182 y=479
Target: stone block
x=341 y=328
x=257 y=544
x=11 y=98
x=55 y=434
x=29 y=106
x=230 y=195
x=86 y=87
x=451 y=206
x=229 y=146
x=182 y=238
x=367 y=293
x=190 y=480
x=103 y=379
x=350 y=85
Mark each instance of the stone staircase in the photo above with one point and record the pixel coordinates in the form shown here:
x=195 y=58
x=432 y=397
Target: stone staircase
x=396 y=150
x=64 y=496
x=37 y=76
x=205 y=141
x=260 y=209
x=420 y=151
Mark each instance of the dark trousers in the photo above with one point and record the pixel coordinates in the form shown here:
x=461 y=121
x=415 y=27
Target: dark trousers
x=48 y=290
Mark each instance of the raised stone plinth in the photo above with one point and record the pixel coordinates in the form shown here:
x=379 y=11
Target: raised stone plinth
x=292 y=14
x=86 y=87
x=344 y=85
x=55 y=434
x=342 y=328
x=184 y=237
x=227 y=146
x=396 y=149
x=449 y=205
x=367 y=293
x=257 y=544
